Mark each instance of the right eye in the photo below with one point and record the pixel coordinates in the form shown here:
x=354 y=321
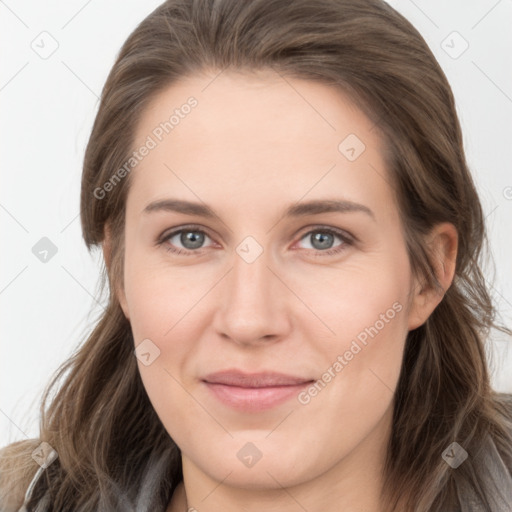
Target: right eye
x=191 y=238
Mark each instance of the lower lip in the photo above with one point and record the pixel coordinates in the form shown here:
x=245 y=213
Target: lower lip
x=254 y=399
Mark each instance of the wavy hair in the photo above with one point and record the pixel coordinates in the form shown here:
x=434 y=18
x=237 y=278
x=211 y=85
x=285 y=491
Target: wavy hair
x=100 y=420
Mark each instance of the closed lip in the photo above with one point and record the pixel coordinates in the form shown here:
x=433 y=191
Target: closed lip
x=241 y=379
x=253 y=392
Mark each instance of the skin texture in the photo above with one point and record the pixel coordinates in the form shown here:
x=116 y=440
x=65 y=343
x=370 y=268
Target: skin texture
x=254 y=145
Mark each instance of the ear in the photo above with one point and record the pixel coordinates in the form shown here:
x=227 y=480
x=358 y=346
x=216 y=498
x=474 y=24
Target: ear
x=107 y=256
x=443 y=243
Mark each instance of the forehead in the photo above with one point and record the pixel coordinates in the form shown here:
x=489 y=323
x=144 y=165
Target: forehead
x=221 y=133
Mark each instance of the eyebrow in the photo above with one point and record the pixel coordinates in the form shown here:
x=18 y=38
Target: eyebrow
x=302 y=209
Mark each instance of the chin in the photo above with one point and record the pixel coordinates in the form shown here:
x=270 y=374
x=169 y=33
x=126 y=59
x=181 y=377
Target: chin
x=260 y=464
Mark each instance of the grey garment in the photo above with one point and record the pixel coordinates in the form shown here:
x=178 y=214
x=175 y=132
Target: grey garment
x=496 y=485
x=149 y=499
x=44 y=503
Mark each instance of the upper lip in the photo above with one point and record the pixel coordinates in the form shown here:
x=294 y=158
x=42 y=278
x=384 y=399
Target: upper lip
x=253 y=380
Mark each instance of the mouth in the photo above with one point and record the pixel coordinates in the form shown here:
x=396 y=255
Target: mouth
x=254 y=392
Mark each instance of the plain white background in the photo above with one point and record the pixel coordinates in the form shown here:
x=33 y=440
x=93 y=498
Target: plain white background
x=48 y=107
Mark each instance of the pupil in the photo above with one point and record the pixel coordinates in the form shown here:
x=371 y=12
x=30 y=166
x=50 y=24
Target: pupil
x=196 y=239
x=324 y=239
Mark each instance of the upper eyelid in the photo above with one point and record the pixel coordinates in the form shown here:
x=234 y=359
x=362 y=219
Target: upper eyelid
x=174 y=231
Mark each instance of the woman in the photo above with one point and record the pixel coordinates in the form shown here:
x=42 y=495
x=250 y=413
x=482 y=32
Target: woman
x=345 y=374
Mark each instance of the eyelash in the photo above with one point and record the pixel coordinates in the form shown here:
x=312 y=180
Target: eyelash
x=347 y=241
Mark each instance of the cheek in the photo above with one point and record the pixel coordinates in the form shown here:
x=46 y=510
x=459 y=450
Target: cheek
x=155 y=296
x=365 y=308
x=160 y=323
x=165 y=306
x=369 y=292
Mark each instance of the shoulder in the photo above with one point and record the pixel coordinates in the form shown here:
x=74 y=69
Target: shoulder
x=503 y=442
x=491 y=491
x=17 y=470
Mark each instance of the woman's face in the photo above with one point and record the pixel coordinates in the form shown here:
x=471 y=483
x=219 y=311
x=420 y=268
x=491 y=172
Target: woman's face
x=293 y=266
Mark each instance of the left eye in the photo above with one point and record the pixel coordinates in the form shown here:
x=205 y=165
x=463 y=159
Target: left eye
x=322 y=240
x=192 y=240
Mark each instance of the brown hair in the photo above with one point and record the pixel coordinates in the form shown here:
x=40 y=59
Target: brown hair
x=101 y=422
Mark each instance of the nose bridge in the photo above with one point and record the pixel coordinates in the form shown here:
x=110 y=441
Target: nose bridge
x=250 y=276
x=251 y=305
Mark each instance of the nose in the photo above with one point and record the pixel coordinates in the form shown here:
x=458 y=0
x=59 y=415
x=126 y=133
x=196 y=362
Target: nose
x=253 y=303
